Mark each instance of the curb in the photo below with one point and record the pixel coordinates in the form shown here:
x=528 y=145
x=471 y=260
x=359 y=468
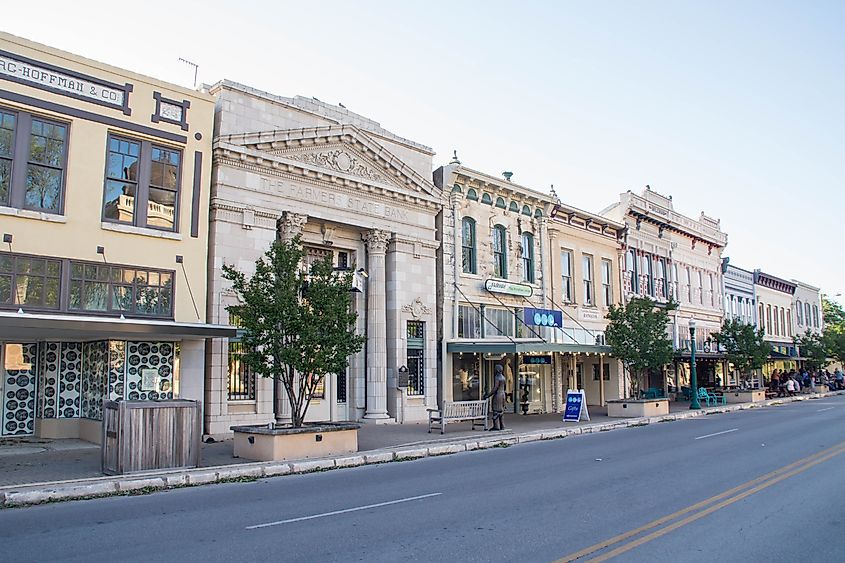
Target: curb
x=142 y=483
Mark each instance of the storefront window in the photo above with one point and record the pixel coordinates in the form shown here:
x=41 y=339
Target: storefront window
x=466 y=385
x=469 y=322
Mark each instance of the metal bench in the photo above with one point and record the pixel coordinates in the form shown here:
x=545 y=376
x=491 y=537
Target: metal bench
x=457 y=411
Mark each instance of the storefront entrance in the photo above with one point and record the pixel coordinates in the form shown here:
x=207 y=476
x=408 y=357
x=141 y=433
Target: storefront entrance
x=526 y=379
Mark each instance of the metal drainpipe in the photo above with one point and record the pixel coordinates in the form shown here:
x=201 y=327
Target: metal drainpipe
x=455 y=265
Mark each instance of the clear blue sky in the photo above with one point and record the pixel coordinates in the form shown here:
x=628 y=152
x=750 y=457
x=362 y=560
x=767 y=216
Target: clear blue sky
x=733 y=107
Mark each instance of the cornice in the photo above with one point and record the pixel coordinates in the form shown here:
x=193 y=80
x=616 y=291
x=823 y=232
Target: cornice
x=271 y=165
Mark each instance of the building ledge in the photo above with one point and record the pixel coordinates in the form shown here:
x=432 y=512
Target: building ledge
x=133 y=230
x=29 y=214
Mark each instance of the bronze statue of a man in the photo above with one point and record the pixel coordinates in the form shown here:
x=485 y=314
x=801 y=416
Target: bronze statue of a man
x=498 y=403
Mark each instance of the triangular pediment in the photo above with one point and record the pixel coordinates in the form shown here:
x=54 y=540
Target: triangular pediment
x=341 y=150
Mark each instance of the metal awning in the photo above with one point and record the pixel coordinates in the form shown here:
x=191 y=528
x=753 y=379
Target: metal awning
x=533 y=346
x=23 y=327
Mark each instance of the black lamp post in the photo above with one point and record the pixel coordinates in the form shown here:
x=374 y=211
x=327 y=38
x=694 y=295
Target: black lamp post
x=694 y=404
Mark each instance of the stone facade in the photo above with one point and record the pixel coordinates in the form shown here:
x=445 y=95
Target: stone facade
x=354 y=191
x=807 y=309
x=775 y=298
x=668 y=255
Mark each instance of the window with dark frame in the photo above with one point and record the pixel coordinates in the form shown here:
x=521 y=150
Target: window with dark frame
x=468 y=260
x=120 y=290
x=142 y=184
x=241 y=378
x=341 y=387
x=606 y=277
x=500 y=260
x=416 y=358
x=528 y=257
x=587 y=274
x=39 y=146
x=30 y=281
x=566 y=275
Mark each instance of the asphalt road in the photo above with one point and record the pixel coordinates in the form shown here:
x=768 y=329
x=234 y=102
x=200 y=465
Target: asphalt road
x=757 y=485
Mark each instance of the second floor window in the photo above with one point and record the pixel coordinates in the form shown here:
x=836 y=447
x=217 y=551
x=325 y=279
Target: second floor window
x=142 y=184
x=29 y=281
x=528 y=257
x=588 y=279
x=816 y=316
x=33 y=157
x=498 y=322
x=469 y=322
x=798 y=314
x=566 y=275
x=606 y=277
x=632 y=279
x=500 y=255
x=468 y=246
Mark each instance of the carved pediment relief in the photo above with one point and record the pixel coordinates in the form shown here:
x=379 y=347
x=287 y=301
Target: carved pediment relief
x=339 y=159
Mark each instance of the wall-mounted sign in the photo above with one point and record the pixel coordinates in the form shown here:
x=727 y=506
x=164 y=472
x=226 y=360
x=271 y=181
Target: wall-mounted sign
x=543 y=360
x=543 y=317
x=48 y=77
x=510 y=288
x=149 y=380
x=589 y=314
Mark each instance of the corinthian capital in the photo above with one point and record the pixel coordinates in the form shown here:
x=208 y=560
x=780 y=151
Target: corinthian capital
x=376 y=240
x=290 y=224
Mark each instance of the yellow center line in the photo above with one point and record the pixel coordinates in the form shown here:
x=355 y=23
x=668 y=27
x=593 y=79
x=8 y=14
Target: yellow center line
x=830 y=452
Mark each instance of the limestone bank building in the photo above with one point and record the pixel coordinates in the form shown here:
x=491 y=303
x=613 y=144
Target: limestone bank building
x=356 y=193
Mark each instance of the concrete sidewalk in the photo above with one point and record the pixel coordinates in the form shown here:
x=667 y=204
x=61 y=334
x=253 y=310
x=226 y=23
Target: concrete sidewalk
x=61 y=470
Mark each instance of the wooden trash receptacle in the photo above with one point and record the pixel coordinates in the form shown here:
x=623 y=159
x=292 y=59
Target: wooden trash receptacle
x=145 y=435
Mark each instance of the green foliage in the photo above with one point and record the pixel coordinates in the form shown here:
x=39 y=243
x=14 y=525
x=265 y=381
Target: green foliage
x=744 y=345
x=299 y=324
x=835 y=344
x=637 y=335
x=833 y=315
x=812 y=347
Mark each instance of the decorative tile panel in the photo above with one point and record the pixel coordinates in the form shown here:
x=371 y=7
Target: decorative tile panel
x=117 y=369
x=48 y=372
x=19 y=391
x=155 y=361
x=70 y=380
x=94 y=378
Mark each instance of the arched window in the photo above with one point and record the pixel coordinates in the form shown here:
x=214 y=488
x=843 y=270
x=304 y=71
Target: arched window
x=526 y=210
x=799 y=313
x=689 y=286
x=468 y=245
x=700 y=289
x=676 y=280
x=514 y=207
x=807 y=317
x=472 y=194
x=487 y=198
x=761 y=317
x=816 y=316
x=710 y=293
x=528 y=257
x=769 y=319
x=538 y=213
x=662 y=286
x=782 y=322
x=500 y=203
x=500 y=255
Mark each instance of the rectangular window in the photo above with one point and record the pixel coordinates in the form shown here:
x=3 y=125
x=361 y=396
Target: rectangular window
x=33 y=158
x=142 y=184
x=606 y=282
x=115 y=289
x=587 y=266
x=29 y=282
x=341 y=387
x=605 y=374
x=416 y=358
x=500 y=256
x=788 y=322
x=241 y=381
x=468 y=246
x=528 y=257
x=499 y=322
x=566 y=275
x=469 y=322
x=648 y=275
x=632 y=282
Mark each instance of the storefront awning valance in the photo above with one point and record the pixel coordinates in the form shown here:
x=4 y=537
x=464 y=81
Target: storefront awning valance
x=26 y=327
x=521 y=347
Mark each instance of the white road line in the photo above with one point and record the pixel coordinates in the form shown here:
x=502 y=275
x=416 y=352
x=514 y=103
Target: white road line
x=827 y=409
x=718 y=433
x=344 y=511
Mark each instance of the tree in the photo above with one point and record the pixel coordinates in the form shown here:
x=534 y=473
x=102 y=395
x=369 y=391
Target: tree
x=637 y=336
x=744 y=346
x=835 y=345
x=813 y=348
x=833 y=315
x=299 y=326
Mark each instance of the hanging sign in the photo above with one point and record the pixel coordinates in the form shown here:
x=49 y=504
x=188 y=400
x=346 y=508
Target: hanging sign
x=543 y=317
x=576 y=406
x=510 y=288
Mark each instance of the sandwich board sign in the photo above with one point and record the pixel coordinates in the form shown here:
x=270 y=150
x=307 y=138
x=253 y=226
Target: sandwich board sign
x=576 y=406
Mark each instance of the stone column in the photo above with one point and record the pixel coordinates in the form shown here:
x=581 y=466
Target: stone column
x=376 y=241
x=288 y=226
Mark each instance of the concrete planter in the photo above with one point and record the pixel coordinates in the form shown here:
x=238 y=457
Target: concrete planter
x=751 y=396
x=635 y=408
x=263 y=443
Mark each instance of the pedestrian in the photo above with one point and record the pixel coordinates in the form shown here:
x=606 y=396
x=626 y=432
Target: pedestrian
x=497 y=405
x=840 y=379
x=790 y=386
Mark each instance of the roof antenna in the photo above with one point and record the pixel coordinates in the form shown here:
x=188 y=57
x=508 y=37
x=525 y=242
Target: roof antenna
x=194 y=65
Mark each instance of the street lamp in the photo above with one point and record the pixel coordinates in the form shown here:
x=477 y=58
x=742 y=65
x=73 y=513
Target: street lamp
x=694 y=404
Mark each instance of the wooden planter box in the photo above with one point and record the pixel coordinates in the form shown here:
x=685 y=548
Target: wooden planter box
x=264 y=443
x=145 y=435
x=635 y=408
x=751 y=396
